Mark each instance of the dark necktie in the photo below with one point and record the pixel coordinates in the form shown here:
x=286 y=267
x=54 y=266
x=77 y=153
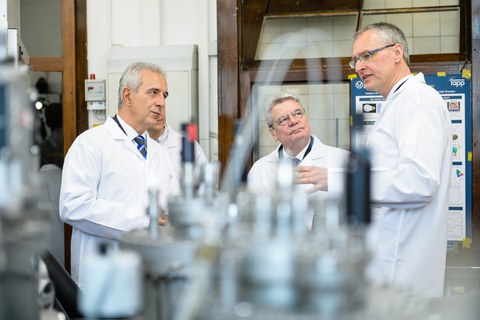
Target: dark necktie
x=140 y=140
x=295 y=161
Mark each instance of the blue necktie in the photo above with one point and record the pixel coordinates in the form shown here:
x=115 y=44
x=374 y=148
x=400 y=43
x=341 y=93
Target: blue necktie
x=295 y=161
x=140 y=140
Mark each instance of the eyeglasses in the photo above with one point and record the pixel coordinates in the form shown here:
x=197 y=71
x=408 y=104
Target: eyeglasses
x=283 y=120
x=366 y=56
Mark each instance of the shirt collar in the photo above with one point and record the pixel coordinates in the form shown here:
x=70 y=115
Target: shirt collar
x=164 y=135
x=302 y=154
x=130 y=132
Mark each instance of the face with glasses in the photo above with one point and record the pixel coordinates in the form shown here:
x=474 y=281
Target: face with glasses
x=290 y=125
x=376 y=61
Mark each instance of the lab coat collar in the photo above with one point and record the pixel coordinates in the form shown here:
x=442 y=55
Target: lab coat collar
x=403 y=83
x=317 y=152
x=118 y=134
x=114 y=129
x=164 y=137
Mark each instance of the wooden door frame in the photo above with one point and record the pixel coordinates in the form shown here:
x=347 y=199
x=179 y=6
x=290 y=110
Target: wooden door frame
x=73 y=66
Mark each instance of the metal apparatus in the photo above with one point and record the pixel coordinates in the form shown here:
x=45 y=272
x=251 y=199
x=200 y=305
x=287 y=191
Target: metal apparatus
x=24 y=223
x=169 y=252
x=270 y=266
x=231 y=254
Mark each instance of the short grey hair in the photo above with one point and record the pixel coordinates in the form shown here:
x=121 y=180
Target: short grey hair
x=132 y=79
x=388 y=32
x=277 y=99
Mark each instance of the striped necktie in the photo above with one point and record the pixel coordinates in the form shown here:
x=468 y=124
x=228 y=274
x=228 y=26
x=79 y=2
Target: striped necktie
x=140 y=140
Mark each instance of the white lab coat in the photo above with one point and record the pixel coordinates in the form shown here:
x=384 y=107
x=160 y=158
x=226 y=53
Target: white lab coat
x=105 y=185
x=172 y=141
x=262 y=176
x=411 y=167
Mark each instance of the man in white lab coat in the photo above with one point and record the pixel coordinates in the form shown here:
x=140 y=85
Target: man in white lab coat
x=172 y=141
x=107 y=174
x=320 y=168
x=411 y=166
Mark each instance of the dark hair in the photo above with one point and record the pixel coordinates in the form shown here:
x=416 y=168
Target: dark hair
x=54 y=115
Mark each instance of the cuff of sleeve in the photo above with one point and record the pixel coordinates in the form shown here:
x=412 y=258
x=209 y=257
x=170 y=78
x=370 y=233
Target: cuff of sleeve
x=336 y=181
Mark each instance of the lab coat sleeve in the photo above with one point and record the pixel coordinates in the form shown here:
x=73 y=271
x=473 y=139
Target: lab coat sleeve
x=79 y=203
x=418 y=141
x=336 y=182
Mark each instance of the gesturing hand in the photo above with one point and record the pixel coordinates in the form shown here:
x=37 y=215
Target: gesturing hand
x=312 y=175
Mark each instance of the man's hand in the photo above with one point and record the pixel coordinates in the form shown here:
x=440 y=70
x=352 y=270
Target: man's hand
x=312 y=175
x=163 y=220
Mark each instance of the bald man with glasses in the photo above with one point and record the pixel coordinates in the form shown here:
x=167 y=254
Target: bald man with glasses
x=319 y=168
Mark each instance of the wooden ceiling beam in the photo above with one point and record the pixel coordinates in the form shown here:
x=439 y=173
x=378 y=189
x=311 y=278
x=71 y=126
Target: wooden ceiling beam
x=252 y=15
x=337 y=69
x=280 y=7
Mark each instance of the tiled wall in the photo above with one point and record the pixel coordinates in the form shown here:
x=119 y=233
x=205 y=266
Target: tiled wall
x=327 y=105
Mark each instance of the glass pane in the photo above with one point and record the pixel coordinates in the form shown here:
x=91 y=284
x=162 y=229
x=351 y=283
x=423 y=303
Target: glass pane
x=393 y=4
x=327 y=107
x=41 y=27
x=49 y=116
x=331 y=36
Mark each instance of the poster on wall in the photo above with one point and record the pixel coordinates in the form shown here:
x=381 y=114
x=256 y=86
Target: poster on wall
x=455 y=90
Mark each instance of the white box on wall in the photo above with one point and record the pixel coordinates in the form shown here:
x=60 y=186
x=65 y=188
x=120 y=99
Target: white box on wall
x=180 y=63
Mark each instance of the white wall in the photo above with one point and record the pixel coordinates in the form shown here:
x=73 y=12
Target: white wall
x=129 y=23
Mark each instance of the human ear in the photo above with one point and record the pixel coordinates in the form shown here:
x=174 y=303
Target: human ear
x=272 y=132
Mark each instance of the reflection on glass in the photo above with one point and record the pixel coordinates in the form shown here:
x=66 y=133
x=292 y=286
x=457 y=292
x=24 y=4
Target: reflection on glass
x=41 y=27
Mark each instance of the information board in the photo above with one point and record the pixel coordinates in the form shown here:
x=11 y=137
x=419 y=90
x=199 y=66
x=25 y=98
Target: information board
x=455 y=90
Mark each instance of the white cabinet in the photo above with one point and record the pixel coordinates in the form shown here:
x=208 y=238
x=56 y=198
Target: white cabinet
x=180 y=64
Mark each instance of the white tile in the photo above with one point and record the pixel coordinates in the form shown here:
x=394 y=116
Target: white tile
x=344 y=134
x=398 y=4
x=425 y=3
x=341 y=106
x=295 y=25
x=374 y=4
x=411 y=48
x=450 y=23
x=450 y=44
x=272 y=31
x=295 y=36
x=425 y=45
x=342 y=48
x=300 y=90
x=270 y=37
x=340 y=87
x=293 y=50
x=265 y=138
x=265 y=150
x=320 y=107
x=319 y=49
x=404 y=21
x=426 y=24
x=324 y=129
x=321 y=89
x=320 y=29
x=372 y=18
x=449 y=2
x=344 y=27
x=269 y=51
